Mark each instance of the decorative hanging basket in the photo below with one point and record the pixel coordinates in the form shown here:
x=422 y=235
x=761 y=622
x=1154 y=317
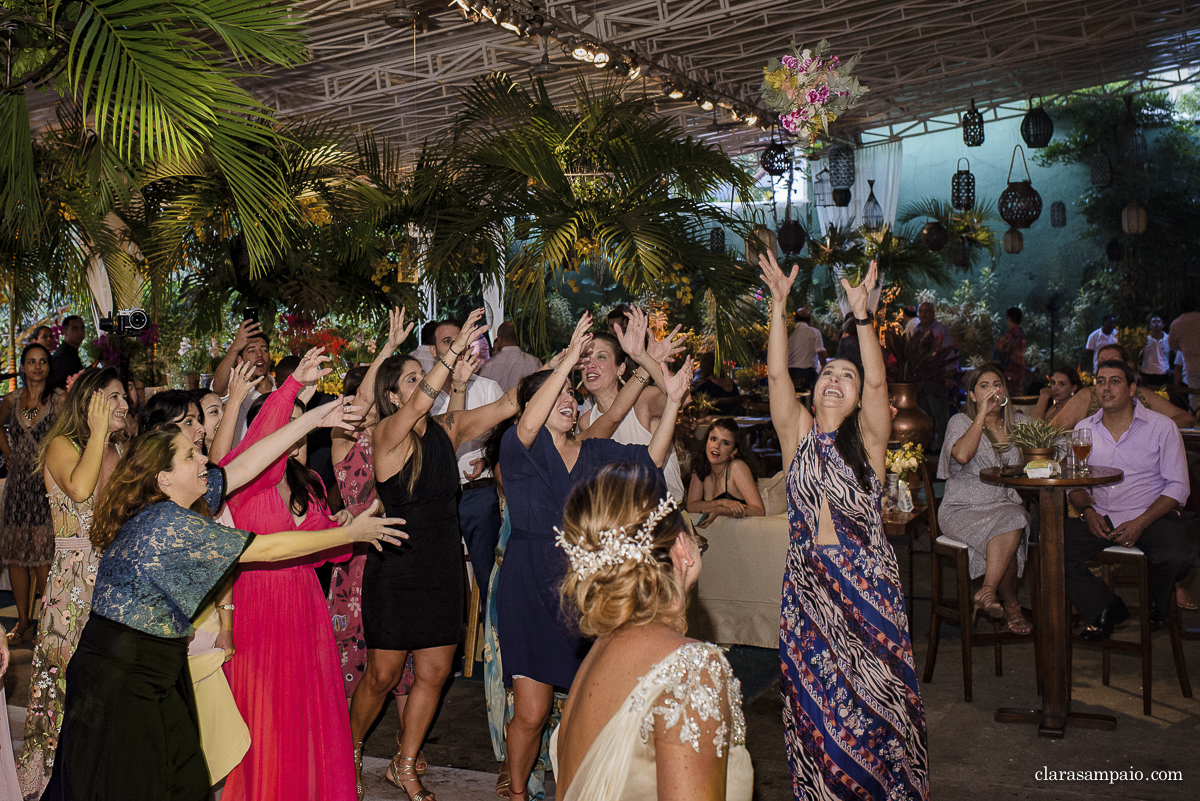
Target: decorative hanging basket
x=1101 y=170
x=934 y=236
x=1020 y=204
x=761 y=240
x=841 y=197
x=716 y=239
x=960 y=253
x=962 y=188
x=1058 y=214
x=792 y=237
x=972 y=125
x=1014 y=242
x=1036 y=128
x=1133 y=141
x=775 y=159
x=872 y=212
x=1133 y=218
x=822 y=191
x=841 y=167
x=1114 y=250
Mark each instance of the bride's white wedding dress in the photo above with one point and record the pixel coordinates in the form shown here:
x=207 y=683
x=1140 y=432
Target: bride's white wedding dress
x=682 y=695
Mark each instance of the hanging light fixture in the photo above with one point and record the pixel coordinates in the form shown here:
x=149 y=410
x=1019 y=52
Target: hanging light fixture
x=934 y=236
x=962 y=187
x=716 y=239
x=841 y=167
x=792 y=235
x=1133 y=141
x=775 y=158
x=1100 y=170
x=822 y=191
x=1020 y=205
x=872 y=213
x=1058 y=214
x=1036 y=128
x=1133 y=218
x=972 y=125
x=1014 y=242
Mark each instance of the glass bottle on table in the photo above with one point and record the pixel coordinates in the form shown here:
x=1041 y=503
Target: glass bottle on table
x=1081 y=446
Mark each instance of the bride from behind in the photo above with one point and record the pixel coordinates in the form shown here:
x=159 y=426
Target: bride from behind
x=652 y=714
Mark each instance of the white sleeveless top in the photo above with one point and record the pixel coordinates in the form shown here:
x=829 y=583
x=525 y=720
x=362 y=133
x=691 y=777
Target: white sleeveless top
x=682 y=694
x=632 y=432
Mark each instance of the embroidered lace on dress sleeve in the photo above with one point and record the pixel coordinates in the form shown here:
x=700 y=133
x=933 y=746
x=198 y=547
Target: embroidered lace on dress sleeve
x=699 y=697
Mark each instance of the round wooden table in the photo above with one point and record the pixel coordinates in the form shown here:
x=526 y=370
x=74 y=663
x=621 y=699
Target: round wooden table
x=1053 y=625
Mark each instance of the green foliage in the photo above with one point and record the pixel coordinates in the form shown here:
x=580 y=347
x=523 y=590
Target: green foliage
x=971 y=225
x=1034 y=433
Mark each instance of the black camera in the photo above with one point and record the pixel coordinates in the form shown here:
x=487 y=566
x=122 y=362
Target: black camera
x=126 y=322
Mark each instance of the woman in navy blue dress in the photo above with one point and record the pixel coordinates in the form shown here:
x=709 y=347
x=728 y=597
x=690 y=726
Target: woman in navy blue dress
x=542 y=460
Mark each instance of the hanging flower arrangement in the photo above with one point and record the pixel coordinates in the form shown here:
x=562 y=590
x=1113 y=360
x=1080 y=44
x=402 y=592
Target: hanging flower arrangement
x=810 y=90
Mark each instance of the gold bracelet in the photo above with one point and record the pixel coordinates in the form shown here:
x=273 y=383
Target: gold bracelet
x=458 y=391
x=642 y=379
x=428 y=390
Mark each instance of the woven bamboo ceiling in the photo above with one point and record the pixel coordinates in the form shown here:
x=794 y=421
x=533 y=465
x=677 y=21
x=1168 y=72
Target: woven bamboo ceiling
x=921 y=58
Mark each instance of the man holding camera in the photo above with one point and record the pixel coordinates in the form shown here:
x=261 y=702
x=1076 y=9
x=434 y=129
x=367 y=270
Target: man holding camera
x=250 y=345
x=66 y=362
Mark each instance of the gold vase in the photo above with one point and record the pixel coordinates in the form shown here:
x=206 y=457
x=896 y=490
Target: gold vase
x=911 y=423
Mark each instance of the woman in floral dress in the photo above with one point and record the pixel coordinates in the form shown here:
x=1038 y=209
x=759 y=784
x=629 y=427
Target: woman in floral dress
x=78 y=455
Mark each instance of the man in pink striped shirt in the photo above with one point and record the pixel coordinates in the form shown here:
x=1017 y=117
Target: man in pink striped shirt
x=1142 y=511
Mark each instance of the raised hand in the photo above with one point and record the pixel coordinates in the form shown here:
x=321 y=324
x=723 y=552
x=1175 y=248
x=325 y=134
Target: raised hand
x=241 y=378
x=779 y=284
x=397 y=330
x=470 y=332
x=857 y=296
x=579 y=341
x=632 y=335
x=310 y=369
x=340 y=414
x=100 y=410
x=667 y=348
x=466 y=366
x=679 y=383
x=248 y=329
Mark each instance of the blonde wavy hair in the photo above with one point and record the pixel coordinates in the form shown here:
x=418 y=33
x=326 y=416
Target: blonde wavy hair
x=631 y=593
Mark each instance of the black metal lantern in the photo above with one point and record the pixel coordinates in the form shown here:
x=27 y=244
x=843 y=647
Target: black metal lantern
x=1133 y=141
x=841 y=167
x=716 y=239
x=1115 y=251
x=1101 y=170
x=841 y=197
x=960 y=253
x=972 y=125
x=1020 y=204
x=792 y=237
x=934 y=236
x=872 y=212
x=775 y=159
x=822 y=191
x=1058 y=214
x=1014 y=241
x=1036 y=128
x=962 y=188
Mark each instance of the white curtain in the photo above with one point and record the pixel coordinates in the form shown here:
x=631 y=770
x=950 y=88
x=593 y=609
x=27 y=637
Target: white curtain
x=880 y=163
x=493 y=306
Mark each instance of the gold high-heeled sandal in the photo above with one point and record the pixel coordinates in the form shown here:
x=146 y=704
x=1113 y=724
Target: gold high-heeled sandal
x=404 y=769
x=985 y=601
x=358 y=757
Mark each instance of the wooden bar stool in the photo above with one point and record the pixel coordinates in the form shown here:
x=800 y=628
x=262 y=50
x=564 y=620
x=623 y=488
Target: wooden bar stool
x=959 y=611
x=1116 y=557
x=907 y=524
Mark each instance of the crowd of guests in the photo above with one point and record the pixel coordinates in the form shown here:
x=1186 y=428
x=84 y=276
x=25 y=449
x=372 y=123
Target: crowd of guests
x=299 y=561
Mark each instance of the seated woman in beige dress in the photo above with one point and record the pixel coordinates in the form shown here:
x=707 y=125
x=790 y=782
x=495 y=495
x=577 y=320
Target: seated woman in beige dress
x=651 y=714
x=987 y=518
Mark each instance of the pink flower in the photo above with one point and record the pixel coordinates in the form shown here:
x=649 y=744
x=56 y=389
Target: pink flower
x=790 y=62
x=804 y=65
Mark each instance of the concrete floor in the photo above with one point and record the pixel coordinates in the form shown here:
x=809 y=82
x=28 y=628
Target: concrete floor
x=970 y=755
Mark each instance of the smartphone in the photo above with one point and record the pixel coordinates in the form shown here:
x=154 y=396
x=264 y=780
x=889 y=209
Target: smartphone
x=251 y=313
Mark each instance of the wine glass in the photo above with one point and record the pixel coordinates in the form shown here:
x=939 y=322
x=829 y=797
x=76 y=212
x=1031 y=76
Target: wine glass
x=1081 y=445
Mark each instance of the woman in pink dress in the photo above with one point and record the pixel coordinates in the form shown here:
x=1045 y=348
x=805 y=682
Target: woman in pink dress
x=284 y=674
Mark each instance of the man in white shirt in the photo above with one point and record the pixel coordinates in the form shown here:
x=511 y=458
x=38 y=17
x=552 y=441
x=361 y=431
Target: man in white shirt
x=249 y=345
x=1156 y=356
x=806 y=352
x=1185 y=338
x=479 y=506
x=1106 y=334
x=509 y=364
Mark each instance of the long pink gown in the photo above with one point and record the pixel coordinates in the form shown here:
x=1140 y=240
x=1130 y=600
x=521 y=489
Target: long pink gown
x=285 y=675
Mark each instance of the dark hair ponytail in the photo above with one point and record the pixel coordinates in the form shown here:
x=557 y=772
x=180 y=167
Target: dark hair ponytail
x=303 y=484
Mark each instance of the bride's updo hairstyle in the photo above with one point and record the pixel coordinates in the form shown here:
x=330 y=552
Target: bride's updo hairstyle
x=620 y=578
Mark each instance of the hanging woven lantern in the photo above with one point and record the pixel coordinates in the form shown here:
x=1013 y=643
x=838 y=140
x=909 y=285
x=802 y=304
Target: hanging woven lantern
x=1020 y=204
x=1133 y=219
x=1058 y=214
x=972 y=125
x=1101 y=170
x=1114 y=250
x=1036 y=128
x=761 y=240
x=716 y=239
x=962 y=188
x=841 y=197
x=821 y=189
x=841 y=167
x=1014 y=242
x=934 y=236
x=792 y=237
x=1133 y=141
x=960 y=253
x=775 y=159
x=872 y=213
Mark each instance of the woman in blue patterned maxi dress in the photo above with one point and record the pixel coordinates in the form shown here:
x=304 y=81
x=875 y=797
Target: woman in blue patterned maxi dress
x=852 y=712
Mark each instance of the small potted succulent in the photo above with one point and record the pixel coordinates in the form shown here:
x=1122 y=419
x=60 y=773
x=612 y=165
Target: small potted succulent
x=1037 y=439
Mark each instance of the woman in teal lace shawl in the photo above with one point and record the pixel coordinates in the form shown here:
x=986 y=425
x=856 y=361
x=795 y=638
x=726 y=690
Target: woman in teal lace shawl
x=129 y=727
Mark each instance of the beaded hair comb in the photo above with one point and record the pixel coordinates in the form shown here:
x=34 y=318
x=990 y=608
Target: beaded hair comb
x=616 y=547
